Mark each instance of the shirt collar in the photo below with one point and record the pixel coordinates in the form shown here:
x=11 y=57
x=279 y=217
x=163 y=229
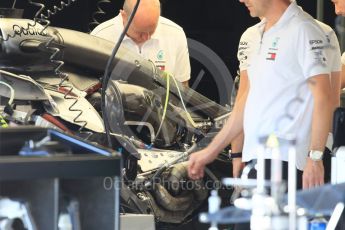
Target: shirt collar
x=290 y=12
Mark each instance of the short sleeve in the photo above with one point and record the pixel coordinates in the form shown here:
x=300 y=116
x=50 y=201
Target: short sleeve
x=244 y=51
x=310 y=49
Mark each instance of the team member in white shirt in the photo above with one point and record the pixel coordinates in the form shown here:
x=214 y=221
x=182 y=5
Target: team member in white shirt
x=243 y=55
x=153 y=37
x=287 y=52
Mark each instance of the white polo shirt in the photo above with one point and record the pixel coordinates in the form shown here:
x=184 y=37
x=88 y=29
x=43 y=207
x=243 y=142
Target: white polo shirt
x=333 y=50
x=282 y=59
x=167 y=48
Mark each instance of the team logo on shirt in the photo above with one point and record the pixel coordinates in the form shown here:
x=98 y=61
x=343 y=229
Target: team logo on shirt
x=275 y=42
x=272 y=51
x=160 y=62
x=160 y=55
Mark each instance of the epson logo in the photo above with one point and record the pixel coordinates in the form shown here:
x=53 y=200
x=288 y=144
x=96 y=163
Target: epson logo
x=312 y=42
x=31 y=31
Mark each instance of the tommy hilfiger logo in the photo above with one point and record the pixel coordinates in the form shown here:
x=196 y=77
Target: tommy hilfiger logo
x=271 y=56
x=161 y=67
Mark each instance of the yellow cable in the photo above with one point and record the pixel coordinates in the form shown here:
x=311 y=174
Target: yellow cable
x=3 y=122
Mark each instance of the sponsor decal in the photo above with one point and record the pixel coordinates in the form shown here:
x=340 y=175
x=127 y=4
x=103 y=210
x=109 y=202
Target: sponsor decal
x=315 y=42
x=242 y=56
x=318 y=53
x=317 y=48
x=243 y=46
x=319 y=57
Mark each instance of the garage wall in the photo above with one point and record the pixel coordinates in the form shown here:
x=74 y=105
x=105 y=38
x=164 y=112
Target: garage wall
x=217 y=24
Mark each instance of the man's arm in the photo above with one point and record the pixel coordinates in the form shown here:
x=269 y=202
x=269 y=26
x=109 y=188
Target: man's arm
x=336 y=89
x=232 y=128
x=243 y=56
x=236 y=147
x=313 y=173
x=342 y=76
x=237 y=143
x=335 y=69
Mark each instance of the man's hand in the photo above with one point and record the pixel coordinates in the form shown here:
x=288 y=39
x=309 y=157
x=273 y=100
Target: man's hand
x=313 y=174
x=237 y=166
x=197 y=162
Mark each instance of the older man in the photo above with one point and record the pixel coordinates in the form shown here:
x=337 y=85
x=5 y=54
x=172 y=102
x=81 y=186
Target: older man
x=153 y=37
